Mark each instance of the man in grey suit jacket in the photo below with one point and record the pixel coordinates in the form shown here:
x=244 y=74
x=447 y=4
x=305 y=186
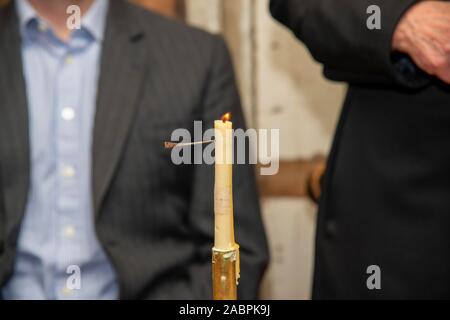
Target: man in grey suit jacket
x=88 y=188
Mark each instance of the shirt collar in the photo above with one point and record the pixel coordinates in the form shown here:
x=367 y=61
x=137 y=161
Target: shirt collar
x=26 y=14
x=94 y=21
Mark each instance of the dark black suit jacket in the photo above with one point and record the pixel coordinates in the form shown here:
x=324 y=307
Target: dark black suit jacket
x=386 y=198
x=154 y=219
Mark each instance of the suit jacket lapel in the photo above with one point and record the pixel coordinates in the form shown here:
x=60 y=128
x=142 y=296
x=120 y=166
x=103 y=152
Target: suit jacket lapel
x=14 y=145
x=122 y=75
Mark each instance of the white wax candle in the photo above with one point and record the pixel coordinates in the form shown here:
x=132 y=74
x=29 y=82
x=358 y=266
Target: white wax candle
x=223 y=187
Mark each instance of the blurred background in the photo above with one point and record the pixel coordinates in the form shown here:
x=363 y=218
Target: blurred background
x=282 y=88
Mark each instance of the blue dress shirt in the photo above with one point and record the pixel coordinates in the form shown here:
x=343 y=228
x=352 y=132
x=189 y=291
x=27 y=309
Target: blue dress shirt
x=58 y=234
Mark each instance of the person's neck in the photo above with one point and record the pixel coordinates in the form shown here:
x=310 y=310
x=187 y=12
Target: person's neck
x=55 y=13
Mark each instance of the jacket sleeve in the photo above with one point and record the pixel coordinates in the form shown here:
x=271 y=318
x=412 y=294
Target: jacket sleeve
x=337 y=36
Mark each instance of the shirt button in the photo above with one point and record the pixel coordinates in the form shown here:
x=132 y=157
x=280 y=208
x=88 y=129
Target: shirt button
x=69 y=232
x=68 y=172
x=66 y=291
x=69 y=60
x=68 y=114
x=330 y=229
x=42 y=27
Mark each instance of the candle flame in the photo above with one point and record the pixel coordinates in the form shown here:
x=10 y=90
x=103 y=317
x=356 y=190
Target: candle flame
x=226 y=117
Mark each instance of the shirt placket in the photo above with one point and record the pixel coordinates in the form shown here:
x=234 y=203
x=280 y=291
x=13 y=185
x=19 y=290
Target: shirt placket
x=68 y=167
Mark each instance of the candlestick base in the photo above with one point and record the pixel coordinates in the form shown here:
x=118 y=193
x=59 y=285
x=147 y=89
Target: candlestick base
x=226 y=273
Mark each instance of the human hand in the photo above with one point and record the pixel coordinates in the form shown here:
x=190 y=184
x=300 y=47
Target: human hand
x=424 y=34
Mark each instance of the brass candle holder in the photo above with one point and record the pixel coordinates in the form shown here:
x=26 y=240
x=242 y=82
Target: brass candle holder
x=226 y=273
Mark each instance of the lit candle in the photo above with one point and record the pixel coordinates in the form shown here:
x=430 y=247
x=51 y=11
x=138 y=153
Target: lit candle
x=223 y=188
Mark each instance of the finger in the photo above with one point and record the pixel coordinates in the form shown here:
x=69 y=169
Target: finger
x=430 y=56
x=444 y=75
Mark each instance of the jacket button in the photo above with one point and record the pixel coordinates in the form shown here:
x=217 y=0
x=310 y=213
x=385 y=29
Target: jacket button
x=330 y=229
